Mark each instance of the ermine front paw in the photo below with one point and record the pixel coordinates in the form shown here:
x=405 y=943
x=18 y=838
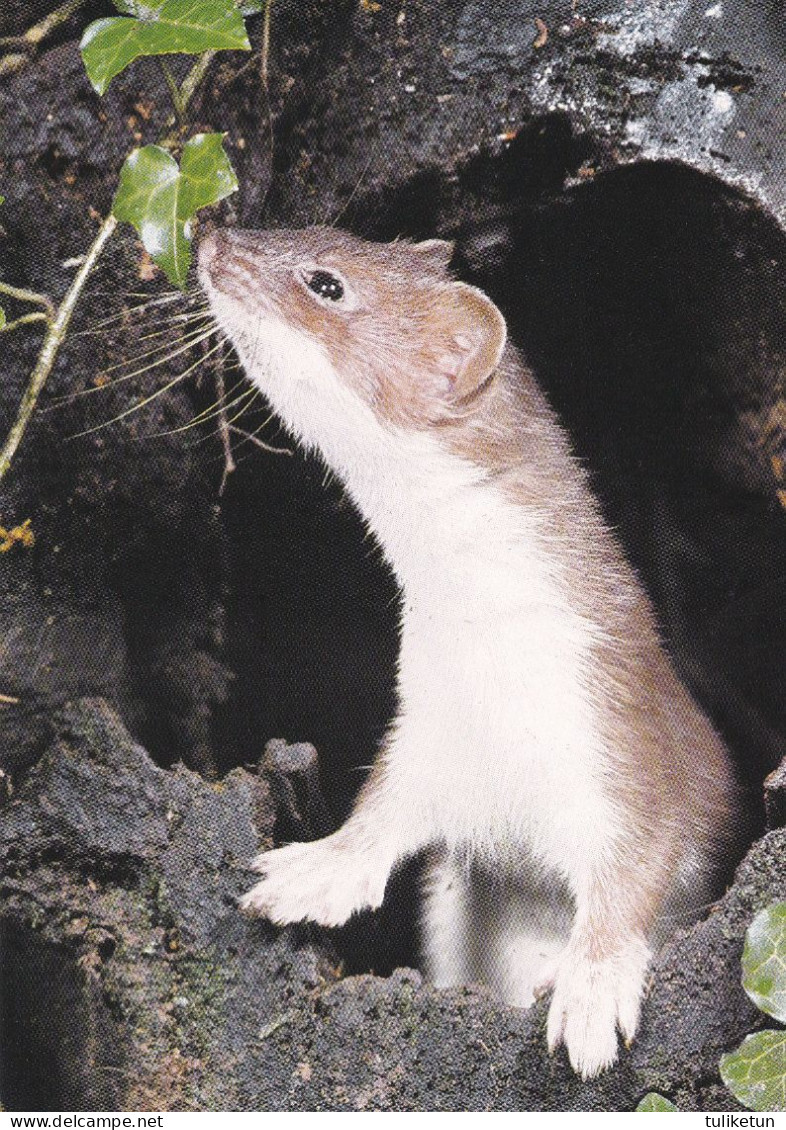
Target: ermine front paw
x=592 y=998
x=325 y=881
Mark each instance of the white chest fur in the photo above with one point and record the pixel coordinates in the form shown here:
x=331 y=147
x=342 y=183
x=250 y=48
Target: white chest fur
x=496 y=719
x=495 y=662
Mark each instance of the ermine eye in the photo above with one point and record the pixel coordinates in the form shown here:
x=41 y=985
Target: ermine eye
x=326 y=285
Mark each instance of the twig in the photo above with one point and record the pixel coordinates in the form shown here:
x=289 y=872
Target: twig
x=12 y=64
x=52 y=342
x=35 y=35
x=278 y=1022
x=263 y=74
x=260 y=443
x=38 y=316
x=223 y=422
x=265 y=53
x=29 y=296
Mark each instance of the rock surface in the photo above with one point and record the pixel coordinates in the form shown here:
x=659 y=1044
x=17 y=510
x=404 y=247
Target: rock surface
x=144 y=988
x=687 y=80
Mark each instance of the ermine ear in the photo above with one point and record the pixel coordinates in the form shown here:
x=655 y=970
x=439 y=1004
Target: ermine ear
x=472 y=340
x=438 y=251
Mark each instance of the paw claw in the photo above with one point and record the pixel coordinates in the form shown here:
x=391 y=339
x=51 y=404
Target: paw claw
x=591 y=1000
x=555 y=1029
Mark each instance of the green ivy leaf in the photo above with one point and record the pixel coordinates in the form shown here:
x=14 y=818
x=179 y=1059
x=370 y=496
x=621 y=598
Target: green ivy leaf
x=159 y=27
x=655 y=1102
x=764 y=961
x=160 y=199
x=756 y=1072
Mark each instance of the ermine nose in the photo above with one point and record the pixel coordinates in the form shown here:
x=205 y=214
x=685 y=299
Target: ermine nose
x=209 y=248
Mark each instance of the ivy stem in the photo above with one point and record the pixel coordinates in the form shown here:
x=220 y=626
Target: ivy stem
x=265 y=52
x=29 y=296
x=264 y=60
x=174 y=92
x=58 y=320
x=182 y=95
x=195 y=76
x=38 y=32
x=26 y=319
x=55 y=335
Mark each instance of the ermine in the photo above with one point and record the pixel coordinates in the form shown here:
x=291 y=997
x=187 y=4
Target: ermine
x=576 y=803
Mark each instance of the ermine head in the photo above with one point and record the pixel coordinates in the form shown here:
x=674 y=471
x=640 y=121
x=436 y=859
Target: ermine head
x=322 y=320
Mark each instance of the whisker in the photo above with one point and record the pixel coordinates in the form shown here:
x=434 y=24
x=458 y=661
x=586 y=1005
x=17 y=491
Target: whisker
x=149 y=323
x=139 y=310
x=164 y=300
x=171 y=295
x=176 y=333
x=251 y=437
x=186 y=343
x=180 y=331
x=149 y=399
x=332 y=223
x=244 y=398
x=206 y=414
x=70 y=397
x=266 y=421
x=182 y=322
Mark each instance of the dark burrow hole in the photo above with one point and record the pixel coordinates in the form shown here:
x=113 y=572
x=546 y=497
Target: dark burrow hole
x=650 y=303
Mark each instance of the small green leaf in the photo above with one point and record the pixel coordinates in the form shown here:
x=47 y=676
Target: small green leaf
x=250 y=7
x=756 y=1072
x=159 y=27
x=764 y=961
x=160 y=199
x=655 y=1102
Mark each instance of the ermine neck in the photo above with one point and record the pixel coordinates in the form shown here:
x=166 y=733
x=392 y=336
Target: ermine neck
x=440 y=520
